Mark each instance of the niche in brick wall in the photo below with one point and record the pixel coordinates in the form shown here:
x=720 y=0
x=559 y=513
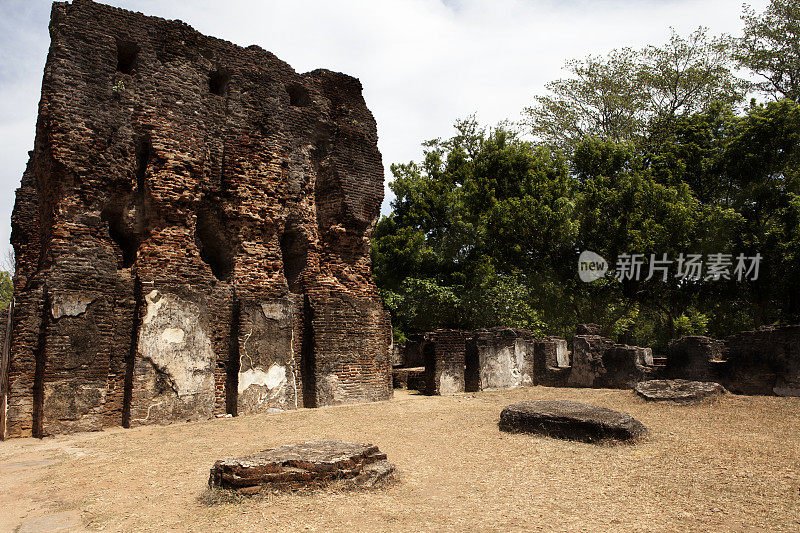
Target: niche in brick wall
x=218 y=81
x=127 y=55
x=232 y=366
x=216 y=249
x=298 y=96
x=144 y=152
x=308 y=368
x=472 y=373
x=294 y=252
x=121 y=234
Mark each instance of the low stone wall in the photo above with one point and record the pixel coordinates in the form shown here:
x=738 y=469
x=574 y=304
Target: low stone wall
x=765 y=361
x=689 y=358
x=505 y=358
x=499 y=359
x=761 y=362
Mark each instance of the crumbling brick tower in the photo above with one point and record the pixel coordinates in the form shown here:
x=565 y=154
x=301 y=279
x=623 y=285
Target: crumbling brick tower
x=192 y=232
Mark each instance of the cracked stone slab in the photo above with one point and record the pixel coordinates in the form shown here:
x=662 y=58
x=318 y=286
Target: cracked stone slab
x=308 y=464
x=679 y=391
x=570 y=420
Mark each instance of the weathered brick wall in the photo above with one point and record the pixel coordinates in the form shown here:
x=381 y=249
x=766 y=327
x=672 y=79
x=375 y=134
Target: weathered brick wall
x=444 y=351
x=411 y=352
x=3 y=370
x=689 y=358
x=354 y=367
x=765 y=361
x=192 y=232
x=551 y=365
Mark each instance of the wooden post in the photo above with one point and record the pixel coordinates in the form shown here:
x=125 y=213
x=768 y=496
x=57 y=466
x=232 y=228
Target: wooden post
x=4 y=361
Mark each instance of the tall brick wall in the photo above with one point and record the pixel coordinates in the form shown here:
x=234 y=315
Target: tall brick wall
x=192 y=232
x=3 y=369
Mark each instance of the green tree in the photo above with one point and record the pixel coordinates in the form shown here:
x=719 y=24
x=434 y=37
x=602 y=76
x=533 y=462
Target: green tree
x=762 y=162
x=469 y=225
x=601 y=98
x=639 y=152
x=770 y=48
x=617 y=97
x=6 y=289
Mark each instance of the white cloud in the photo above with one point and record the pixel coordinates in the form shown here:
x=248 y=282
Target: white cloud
x=423 y=63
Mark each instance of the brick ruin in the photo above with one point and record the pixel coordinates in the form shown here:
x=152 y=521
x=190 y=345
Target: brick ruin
x=599 y=362
x=761 y=362
x=765 y=361
x=192 y=233
x=504 y=358
x=448 y=361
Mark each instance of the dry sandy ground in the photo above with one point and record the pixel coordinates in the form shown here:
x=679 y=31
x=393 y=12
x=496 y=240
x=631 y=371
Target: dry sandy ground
x=729 y=466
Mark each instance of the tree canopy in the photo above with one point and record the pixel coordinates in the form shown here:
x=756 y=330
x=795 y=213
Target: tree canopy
x=770 y=48
x=645 y=157
x=618 y=96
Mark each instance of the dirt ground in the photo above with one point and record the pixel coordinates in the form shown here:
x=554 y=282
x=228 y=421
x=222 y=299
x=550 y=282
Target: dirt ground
x=729 y=466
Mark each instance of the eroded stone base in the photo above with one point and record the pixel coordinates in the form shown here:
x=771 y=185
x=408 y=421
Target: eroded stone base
x=566 y=419
x=680 y=391
x=307 y=465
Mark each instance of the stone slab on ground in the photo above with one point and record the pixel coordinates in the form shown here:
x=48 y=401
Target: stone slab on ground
x=566 y=419
x=307 y=465
x=680 y=391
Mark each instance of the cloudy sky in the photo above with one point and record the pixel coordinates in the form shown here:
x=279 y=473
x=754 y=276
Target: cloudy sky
x=423 y=63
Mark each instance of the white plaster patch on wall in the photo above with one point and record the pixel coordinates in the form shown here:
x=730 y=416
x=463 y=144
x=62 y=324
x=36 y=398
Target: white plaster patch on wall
x=562 y=356
x=499 y=369
x=173 y=335
x=173 y=340
x=70 y=304
x=449 y=384
x=272 y=378
x=154 y=303
x=524 y=363
x=276 y=375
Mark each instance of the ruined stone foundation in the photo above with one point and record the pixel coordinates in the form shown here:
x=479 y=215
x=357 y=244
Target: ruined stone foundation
x=192 y=233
